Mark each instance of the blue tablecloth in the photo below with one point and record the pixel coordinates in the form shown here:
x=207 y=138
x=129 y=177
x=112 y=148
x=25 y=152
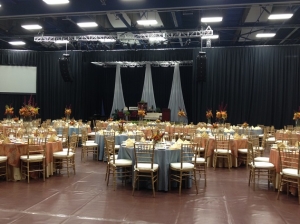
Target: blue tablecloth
x=72 y=129
x=163 y=157
x=99 y=139
x=250 y=131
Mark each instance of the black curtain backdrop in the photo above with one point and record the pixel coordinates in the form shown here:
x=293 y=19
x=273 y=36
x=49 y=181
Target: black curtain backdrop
x=260 y=85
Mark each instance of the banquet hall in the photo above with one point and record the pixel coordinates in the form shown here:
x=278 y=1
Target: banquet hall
x=111 y=73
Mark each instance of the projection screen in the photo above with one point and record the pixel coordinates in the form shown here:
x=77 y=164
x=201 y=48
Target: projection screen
x=17 y=79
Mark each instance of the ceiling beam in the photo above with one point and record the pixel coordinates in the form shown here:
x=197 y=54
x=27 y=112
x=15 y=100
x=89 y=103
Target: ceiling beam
x=40 y=9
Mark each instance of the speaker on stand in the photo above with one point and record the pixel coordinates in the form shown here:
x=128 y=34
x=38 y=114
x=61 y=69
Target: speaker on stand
x=65 y=69
x=201 y=67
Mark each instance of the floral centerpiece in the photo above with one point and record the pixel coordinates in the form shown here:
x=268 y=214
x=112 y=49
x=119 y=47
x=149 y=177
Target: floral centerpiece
x=9 y=111
x=29 y=109
x=297 y=117
x=68 y=111
x=245 y=125
x=110 y=119
x=157 y=121
x=157 y=136
x=121 y=126
x=141 y=114
x=215 y=125
x=181 y=113
x=209 y=115
x=221 y=114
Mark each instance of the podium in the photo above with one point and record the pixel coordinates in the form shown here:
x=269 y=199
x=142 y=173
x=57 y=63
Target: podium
x=166 y=114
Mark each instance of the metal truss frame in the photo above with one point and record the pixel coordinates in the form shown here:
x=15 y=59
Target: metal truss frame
x=127 y=36
x=125 y=64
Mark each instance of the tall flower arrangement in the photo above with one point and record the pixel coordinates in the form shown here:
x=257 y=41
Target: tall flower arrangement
x=297 y=117
x=209 y=115
x=121 y=126
x=29 y=109
x=221 y=114
x=297 y=114
x=157 y=136
x=68 y=111
x=141 y=113
x=181 y=113
x=9 y=110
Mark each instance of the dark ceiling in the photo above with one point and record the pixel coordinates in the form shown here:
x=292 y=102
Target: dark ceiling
x=242 y=20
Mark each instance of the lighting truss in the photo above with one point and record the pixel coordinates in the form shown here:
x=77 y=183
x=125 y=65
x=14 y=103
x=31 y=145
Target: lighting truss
x=125 y=64
x=126 y=36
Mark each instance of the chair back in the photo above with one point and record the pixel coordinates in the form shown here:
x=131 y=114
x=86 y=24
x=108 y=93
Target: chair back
x=187 y=153
x=110 y=149
x=222 y=142
x=72 y=143
x=202 y=142
x=251 y=154
x=36 y=146
x=143 y=153
x=289 y=158
x=109 y=134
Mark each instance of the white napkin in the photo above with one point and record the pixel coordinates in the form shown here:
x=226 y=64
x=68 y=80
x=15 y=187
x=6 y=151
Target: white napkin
x=204 y=135
x=175 y=146
x=236 y=136
x=129 y=143
x=179 y=141
x=6 y=141
x=130 y=133
x=142 y=139
x=53 y=138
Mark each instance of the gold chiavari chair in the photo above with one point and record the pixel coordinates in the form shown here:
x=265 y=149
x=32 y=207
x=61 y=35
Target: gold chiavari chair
x=186 y=167
x=289 y=169
x=259 y=170
x=34 y=162
x=222 y=150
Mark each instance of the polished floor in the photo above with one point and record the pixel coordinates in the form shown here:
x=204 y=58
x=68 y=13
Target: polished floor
x=85 y=198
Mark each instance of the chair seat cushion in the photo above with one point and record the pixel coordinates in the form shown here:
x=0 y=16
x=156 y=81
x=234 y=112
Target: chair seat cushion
x=290 y=172
x=32 y=158
x=90 y=144
x=121 y=162
x=222 y=151
x=90 y=141
x=201 y=149
x=112 y=156
x=3 y=158
x=262 y=165
x=184 y=165
x=199 y=160
x=243 y=151
x=261 y=159
x=117 y=146
x=146 y=167
x=271 y=139
x=62 y=154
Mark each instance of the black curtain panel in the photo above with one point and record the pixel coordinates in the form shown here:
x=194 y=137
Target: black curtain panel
x=260 y=85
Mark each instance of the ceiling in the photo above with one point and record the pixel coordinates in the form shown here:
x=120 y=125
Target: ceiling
x=178 y=20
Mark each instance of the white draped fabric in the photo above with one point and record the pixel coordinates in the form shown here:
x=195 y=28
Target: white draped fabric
x=176 y=98
x=148 y=94
x=118 y=103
